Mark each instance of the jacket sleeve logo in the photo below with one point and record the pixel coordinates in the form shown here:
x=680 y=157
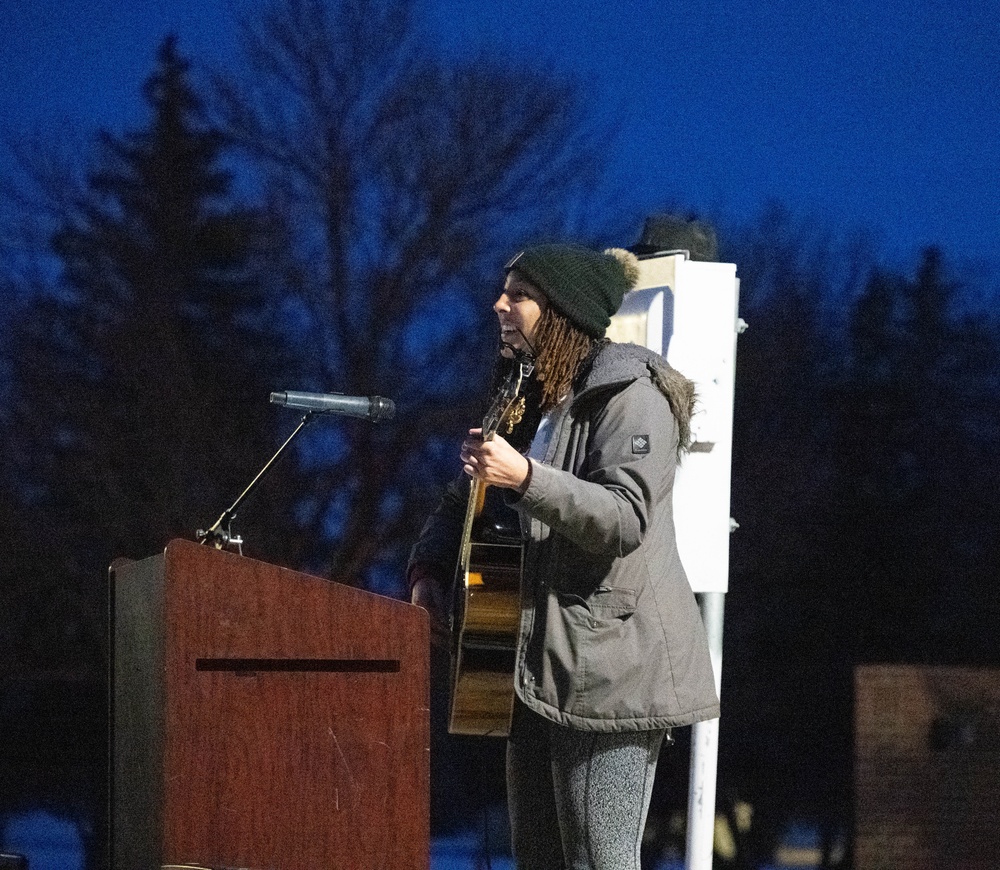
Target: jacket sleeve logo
x=640 y=444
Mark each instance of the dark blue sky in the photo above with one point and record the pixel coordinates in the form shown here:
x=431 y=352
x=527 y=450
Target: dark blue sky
x=858 y=113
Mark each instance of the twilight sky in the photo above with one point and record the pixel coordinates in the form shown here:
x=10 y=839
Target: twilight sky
x=861 y=114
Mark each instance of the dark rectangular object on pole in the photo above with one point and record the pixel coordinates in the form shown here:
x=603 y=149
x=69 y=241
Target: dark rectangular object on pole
x=264 y=718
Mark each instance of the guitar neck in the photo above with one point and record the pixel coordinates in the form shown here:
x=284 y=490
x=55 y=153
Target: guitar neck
x=507 y=408
x=476 y=492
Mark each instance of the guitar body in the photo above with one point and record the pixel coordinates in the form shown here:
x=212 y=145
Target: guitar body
x=486 y=599
x=487 y=614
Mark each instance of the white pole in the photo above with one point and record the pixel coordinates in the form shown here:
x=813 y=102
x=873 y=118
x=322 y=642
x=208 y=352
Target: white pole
x=705 y=750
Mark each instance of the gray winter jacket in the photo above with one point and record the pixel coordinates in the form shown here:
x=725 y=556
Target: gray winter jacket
x=610 y=634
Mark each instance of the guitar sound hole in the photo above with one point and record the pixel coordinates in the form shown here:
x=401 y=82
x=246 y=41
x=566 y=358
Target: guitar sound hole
x=498 y=523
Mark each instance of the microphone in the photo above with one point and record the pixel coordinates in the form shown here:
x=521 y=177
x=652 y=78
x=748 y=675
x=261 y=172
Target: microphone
x=373 y=408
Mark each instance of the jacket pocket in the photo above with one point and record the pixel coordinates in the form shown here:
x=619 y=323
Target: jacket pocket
x=610 y=602
x=604 y=603
x=601 y=630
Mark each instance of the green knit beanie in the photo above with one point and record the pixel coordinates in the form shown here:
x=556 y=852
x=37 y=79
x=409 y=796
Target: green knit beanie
x=585 y=286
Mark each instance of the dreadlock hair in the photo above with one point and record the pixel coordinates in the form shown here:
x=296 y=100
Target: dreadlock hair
x=562 y=350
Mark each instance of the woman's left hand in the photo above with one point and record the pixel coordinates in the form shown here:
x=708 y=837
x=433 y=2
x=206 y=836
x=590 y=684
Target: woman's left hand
x=495 y=462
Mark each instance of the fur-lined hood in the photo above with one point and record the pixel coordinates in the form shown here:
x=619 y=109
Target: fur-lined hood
x=619 y=364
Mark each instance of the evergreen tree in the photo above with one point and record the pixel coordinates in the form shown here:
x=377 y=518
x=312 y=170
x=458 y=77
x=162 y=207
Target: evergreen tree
x=916 y=478
x=781 y=628
x=141 y=380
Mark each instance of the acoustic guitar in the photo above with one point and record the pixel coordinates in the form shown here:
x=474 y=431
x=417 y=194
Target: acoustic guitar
x=486 y=605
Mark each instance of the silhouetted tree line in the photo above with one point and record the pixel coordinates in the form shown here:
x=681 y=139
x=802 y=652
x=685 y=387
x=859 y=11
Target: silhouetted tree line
x=863 y=482
x=330 y=218
x=333 y=219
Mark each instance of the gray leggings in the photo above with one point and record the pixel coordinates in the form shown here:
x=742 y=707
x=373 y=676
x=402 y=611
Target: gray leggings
x=578 y=799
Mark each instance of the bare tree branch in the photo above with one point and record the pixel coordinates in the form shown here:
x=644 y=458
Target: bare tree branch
x=402 y=185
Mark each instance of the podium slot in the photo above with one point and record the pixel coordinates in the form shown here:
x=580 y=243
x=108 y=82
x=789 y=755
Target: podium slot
x=340 y=666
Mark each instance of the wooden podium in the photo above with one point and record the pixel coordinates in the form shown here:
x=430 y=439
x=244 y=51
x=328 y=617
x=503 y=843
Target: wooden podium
x=264 y=719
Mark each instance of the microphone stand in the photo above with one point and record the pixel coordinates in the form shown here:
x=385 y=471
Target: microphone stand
x=220 y=535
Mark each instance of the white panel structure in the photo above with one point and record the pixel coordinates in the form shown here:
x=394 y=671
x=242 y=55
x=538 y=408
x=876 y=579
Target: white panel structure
x=687 y=310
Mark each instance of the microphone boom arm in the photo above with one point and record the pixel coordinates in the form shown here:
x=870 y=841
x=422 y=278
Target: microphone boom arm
x=220 y=535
